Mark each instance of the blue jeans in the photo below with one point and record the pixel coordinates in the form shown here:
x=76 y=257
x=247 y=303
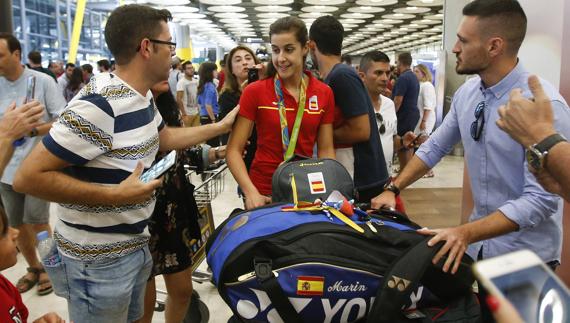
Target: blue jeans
x=110 y=290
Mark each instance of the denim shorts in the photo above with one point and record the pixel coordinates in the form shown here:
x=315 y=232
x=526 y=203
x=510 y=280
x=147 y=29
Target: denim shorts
x=110 y=290
x=23 y=209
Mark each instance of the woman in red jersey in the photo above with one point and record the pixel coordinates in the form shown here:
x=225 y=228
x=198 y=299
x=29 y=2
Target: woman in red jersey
x=292 y=111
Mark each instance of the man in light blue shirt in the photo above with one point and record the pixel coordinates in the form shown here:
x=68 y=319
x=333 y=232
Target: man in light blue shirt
x=511 y=210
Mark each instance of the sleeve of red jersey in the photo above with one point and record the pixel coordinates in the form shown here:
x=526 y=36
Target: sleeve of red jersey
x=248 y=103
x=329 y=107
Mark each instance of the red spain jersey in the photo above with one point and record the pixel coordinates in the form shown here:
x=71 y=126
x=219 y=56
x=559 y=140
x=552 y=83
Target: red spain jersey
x=12 y=309
x=258 y=103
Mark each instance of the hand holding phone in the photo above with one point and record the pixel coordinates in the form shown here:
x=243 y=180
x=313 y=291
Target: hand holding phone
x=30 y=93
x=252 y=75
x=524 y=280
x=159 y=168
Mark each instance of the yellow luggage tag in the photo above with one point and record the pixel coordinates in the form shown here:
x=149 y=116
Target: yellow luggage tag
x=345 y=219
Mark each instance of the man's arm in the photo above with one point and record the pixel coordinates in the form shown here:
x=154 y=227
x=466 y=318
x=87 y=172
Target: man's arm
x=179 y=97
x=398 y=102
x=458 y=238
x=353 y=130
x=428 y=155
x=40 y=175
x=529 y=122
x=181 y=138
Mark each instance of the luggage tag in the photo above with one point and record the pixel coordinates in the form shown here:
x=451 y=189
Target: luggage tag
x=338 y=206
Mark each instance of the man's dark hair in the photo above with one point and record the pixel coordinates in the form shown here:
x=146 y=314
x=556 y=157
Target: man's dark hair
x=290 y=24
x=327 y=32
x=87 y=68
x=104 y=63
x=68 y=65
x=12 y=41
x=185 y=63
x=405 y=58
x=346 y=59
x=500 y=17
x=128 y=25
x=375 y=56
x=35 y=57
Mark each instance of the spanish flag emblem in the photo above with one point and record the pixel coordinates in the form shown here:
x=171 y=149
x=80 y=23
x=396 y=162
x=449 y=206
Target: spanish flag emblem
x=310 y=285
x=313 y=103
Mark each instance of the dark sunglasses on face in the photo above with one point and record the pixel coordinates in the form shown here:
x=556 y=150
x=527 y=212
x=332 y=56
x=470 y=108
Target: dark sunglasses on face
x=477 y=125
x=382 y=128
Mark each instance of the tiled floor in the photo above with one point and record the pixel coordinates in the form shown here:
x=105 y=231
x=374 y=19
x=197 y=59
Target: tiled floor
x=431 y=202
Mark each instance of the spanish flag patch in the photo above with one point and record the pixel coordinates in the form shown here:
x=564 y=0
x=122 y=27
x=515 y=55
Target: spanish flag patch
x=313 y=103
x=317 y=183
x=310 y=285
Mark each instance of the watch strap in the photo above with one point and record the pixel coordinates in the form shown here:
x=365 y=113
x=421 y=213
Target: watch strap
x=547 y=143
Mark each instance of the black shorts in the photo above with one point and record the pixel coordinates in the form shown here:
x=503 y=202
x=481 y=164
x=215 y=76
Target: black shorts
x=407 y=123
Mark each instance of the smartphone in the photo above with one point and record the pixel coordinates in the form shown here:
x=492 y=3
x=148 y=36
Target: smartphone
x=30 y=88
x=522 y=278
x=252 y=75
x=159 y=168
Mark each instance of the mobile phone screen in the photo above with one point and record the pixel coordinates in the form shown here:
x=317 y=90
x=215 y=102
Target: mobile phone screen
x=535 y=294
x=30 y=89
x=159 y=168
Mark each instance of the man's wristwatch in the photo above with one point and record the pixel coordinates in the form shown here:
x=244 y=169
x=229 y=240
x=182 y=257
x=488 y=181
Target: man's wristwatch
x=390 y=186
x=536 y=154
x=33 y=133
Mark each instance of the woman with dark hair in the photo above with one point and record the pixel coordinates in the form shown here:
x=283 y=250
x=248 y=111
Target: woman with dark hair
x=239 y=61
x=173 y=225
x=208 y=97
x=75 y=84
x=292 y=111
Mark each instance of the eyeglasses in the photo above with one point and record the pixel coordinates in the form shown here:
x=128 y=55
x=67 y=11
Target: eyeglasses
x=477 y=125
x=164 y=42
x=382 y=128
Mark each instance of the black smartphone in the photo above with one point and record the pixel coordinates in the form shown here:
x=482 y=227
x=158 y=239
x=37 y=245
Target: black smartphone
x=252 y=75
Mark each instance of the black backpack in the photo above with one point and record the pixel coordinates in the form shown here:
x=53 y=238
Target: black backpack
x=314 y=178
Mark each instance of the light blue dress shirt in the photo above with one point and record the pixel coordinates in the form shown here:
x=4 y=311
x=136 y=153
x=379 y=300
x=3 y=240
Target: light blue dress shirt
x=498 y=170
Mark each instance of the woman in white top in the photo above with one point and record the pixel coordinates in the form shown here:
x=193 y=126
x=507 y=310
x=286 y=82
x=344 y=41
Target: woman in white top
x=426 y=100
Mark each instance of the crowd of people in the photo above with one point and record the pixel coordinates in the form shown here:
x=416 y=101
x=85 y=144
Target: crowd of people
x=96 y=133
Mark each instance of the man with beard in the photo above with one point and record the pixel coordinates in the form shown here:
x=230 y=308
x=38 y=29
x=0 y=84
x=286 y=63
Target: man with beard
x=511 y=210
x=91 y=162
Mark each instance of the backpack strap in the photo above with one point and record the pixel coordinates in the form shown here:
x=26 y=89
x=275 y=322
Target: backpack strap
x=268 y=282
x=405 y=275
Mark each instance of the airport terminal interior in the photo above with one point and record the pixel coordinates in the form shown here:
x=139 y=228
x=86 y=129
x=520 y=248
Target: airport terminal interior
x=73 y=31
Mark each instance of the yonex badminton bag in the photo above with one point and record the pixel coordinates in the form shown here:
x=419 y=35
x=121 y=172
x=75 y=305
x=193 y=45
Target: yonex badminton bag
x=275 y=266
x=314 y=178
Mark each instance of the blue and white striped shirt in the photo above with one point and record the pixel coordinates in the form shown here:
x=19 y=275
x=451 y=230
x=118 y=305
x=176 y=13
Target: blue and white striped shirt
x=103 y=133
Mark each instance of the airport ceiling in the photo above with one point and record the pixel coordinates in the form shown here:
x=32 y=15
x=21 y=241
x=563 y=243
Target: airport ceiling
x=388 y=25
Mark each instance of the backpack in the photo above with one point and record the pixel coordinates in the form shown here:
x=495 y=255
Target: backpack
x=314 y=178
x=278 y=264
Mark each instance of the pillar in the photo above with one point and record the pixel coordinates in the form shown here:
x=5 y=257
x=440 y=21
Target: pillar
x=6 y=24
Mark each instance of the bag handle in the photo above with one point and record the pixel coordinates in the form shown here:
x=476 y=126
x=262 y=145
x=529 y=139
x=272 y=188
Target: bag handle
x=268 y=282
x=404 y=277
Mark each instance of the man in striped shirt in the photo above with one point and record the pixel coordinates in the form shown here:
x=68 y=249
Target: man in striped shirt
x=90 y=164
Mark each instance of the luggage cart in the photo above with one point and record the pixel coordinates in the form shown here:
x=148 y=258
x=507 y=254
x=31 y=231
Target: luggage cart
x=212 y=184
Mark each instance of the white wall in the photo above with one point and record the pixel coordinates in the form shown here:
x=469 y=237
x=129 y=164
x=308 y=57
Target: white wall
x=541 y=52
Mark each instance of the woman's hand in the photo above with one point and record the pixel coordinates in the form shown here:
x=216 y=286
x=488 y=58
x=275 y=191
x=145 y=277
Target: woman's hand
x=256 y=200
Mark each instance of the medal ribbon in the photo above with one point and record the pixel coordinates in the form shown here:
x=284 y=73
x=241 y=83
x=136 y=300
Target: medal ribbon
x=289 y=144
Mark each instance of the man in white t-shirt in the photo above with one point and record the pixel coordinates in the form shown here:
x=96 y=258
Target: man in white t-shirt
x=375 y=72
x=186 y=96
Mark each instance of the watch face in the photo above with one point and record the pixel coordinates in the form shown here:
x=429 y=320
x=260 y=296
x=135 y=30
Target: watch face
x=533 y=159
